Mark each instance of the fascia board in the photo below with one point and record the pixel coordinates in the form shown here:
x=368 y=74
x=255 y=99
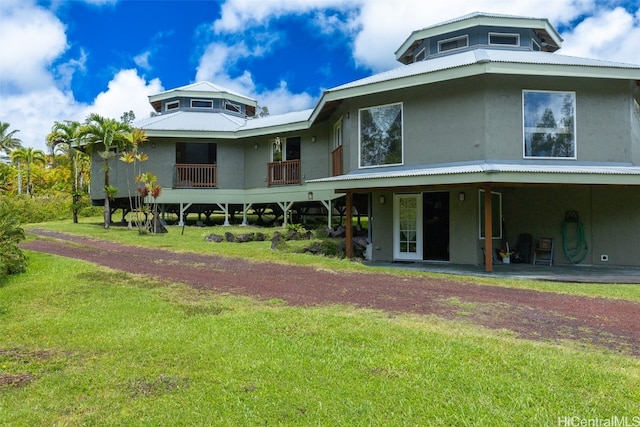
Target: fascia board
x=295 y=127
x=559 y=70
x=241 y=196
x=500 y=178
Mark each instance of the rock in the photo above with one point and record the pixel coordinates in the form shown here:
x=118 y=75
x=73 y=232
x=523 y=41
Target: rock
x=229 y=237
x=277 y=241
x=260 y=237
x=214 y=238
x=243 y=238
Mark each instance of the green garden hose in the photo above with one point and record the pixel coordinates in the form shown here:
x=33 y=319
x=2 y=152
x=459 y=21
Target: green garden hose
x=574 y=245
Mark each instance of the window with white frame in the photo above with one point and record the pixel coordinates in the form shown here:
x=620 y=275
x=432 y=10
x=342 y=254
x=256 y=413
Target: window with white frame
x=421 y=55
x=535 y=45
x=337 y=134
x=504 y=39
x=230 y=106
x=201 y=103
x=380 y=131
x=173 y=105
x=549 y=124
x=453 y=43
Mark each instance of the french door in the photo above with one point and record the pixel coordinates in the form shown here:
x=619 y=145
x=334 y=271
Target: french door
x=407 y=226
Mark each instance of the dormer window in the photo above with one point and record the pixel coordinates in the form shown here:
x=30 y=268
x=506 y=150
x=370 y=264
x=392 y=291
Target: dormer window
x=504 y=39
x=201 y=103
x=421 y=55
x=230 y=106
x=173 y=105
x=535 y=45
x=454 y=43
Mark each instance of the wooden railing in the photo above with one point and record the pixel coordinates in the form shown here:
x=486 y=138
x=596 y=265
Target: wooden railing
x=195 y=176
x=284 y=173
x=336 y=161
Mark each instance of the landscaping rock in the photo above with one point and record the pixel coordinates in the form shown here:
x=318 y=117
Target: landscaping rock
x=229 y=237
x=243 y=238
x=214 y=238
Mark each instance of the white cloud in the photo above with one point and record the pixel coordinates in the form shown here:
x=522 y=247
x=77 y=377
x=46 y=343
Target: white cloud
x=32 y=38
x=35 y=94
x=610 y=34
x=126 y=91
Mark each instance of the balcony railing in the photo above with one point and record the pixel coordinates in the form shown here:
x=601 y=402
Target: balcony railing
x=336 y=161
x=195 y=176
x=284 y=173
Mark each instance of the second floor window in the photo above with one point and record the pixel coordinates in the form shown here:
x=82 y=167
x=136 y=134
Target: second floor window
x=201 y=103
x=285 y=149
x=381 y=136
x=549 y=124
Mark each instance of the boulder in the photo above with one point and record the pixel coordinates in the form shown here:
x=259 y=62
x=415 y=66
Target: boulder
x=214 y=238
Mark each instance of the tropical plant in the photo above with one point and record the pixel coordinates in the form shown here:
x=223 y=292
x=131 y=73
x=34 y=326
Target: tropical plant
x=134 y=157
x=28 y=157
x=109 y=136
x=12 y=259
x=8 y=140
x=66 y=136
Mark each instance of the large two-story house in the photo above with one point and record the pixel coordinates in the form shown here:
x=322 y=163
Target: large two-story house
x=482 y=131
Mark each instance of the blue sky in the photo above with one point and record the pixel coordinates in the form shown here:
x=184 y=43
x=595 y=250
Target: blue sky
x=61 y=60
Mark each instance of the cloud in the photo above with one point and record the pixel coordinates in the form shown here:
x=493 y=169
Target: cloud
x=32 y=38
x=610 y=34
x=36 y=93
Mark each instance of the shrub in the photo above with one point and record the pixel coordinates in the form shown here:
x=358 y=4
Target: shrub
x=12 y=259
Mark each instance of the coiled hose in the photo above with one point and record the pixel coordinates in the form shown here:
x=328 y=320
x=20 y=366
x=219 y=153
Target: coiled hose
x=574 y=245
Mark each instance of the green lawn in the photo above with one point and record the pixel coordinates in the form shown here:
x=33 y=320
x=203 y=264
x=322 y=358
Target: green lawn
x=82 y=345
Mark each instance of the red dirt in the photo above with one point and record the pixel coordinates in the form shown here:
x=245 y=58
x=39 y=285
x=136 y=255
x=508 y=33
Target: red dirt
x=601 y=322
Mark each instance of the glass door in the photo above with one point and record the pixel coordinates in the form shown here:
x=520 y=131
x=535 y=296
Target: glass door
x=407 y=227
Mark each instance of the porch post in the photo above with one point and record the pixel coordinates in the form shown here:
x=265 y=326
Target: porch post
x=225 y=209
x=349 y=226
x=488 y=231
x=245 y=208
x=327 y=204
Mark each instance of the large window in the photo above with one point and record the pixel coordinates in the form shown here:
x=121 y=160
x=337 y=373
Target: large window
x=381 y=135
x=454 y=43
x=549 y=124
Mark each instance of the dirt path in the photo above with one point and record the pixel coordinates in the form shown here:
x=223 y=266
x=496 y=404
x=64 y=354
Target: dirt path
x=613 y=324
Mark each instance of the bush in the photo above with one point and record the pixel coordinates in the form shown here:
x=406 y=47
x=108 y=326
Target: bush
x=47 y=208
x=12 y=259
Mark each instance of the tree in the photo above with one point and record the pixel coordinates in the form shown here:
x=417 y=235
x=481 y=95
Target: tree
x=134 y=157
x=66 y=136
x=8 y=140
x=29 y=157
x=110 y=136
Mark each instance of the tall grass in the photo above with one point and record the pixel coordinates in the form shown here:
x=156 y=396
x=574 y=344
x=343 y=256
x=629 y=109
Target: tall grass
x=98 y=347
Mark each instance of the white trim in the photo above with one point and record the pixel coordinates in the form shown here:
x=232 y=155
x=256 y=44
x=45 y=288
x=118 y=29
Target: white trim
x=498 y=34
x=535 y=43
x=337 y=133
x=423 y=52
x=237 y=108
x=168 y=106
x=575 y=126
x=452 y=39
x=201 y=100
x=397 y=254
x=401 y=104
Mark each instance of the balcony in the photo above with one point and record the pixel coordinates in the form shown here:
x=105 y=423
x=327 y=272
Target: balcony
x=195 y=176
x=284 y=173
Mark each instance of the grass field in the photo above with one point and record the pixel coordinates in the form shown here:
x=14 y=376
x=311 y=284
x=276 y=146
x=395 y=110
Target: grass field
x=81 y=345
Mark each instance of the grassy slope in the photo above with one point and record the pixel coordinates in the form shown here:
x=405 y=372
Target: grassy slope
x=108 y=348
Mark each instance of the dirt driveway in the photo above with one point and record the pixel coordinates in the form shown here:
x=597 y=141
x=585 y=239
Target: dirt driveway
x=608 y=323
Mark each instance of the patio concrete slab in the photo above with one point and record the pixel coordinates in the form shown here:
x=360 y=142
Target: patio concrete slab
x=571 y=273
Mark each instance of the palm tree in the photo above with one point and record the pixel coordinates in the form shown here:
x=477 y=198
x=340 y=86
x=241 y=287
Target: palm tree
x=8 y=141
x=29 y=157
x=65 y=136
x=108 y=134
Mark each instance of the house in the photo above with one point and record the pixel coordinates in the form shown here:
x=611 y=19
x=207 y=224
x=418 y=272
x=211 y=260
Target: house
x=484 y=130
